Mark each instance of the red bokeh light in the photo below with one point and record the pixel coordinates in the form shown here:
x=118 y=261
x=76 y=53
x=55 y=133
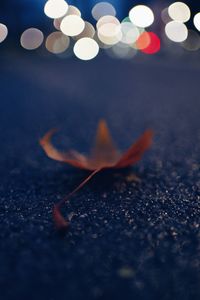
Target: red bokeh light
x=154 y=45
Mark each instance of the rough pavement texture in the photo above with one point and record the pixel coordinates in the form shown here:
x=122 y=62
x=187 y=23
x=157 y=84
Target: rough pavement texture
x=127 y=240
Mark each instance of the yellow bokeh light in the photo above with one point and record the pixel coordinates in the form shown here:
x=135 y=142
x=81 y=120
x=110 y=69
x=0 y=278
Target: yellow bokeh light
x=179 y=11
x=31 y=39
x=197 y=21
x=72 y=25
x=176 y=31
x=101 y=9
x=57 y=42
x=86 y=48
x=55 y=8
x=141 y=16
x=3 y=32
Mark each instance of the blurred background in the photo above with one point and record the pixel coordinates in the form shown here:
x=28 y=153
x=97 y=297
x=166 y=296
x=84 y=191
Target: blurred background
x=21 y=15
x=127 y=240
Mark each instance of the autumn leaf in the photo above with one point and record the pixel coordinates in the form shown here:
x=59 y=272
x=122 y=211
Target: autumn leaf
x=104 y=155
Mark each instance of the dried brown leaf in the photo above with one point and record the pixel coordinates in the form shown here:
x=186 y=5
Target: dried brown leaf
x=104 y=155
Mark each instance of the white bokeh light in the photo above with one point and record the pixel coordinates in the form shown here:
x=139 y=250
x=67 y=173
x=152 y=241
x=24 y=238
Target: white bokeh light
x=109 y=30
x=88 y=31
x=130 y=33
x=31 y=39
x=110 y=33
x=101 y=9
x=86 y=48
x=3 y=32
x=176 y=31
x=100 y=43
x=141 y=16
x=72 y=25
x=107 y=19
x=55 y=8
x=179 y=11
x=72 y=10
x=197 y=21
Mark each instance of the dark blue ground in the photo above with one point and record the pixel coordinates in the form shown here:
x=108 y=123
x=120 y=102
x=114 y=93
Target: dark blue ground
x=127 y=240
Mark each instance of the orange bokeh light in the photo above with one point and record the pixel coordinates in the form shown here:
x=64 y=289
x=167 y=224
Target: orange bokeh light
x=143 y=41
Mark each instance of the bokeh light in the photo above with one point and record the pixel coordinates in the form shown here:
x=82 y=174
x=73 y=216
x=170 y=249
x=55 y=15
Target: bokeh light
x=154 y=44
x=122 y=51
x=176 y=31
x=102 y=9
x=107 y=19
x=109 y=30
x=57 y=42
x=110 y=33
x=179 y=11
x=72 y=10
x=197 y=21
x=130 y=33
x=165 y=16
x=72 y=25
x=192 y=43
x=88 y=31
x=122 y=38
x=141 y=16
x=100 y=43
x=86 y=48
x=55 y=8
x=3 y=32
x=31 y=39
x=126 y=19
x=143 y=41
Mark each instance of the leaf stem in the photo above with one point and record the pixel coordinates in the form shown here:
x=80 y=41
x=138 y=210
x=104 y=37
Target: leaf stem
x=60 y=222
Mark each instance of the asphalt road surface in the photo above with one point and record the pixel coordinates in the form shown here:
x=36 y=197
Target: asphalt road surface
x=128 y=239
